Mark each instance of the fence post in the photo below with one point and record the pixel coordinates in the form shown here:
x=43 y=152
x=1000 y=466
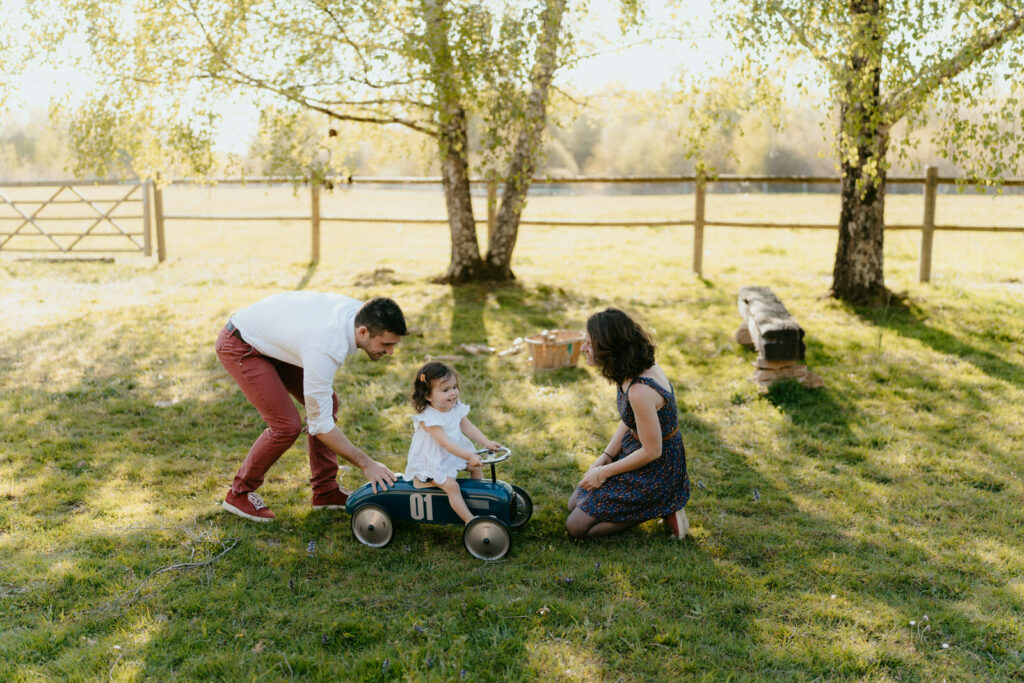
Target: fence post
x=158 y=214
x=314 y=195
x=492 y=209
x=698 y=224
x=931 y=179
x=147 y=240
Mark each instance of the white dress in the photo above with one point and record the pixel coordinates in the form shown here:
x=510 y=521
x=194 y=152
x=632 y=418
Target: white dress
x=428 y=459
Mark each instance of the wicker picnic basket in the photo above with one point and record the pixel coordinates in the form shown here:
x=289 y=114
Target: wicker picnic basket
x=552 y=349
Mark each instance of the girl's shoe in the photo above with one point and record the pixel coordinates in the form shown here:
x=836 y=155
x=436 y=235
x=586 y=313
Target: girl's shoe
x=677 y=524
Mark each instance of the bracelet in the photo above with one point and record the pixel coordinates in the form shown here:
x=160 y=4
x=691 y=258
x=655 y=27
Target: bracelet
x=606 y=453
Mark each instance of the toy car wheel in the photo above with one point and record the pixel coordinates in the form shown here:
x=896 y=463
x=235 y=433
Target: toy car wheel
x=371 y=526
x=487 y=538
x=524 y=508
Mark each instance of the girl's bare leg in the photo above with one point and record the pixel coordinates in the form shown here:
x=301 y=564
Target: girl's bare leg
x=451 y=487
x=475 y=472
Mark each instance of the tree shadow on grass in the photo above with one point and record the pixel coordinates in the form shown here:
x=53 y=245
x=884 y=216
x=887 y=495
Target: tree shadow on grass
x=491 y=314
x=823 y=536
x=376 y=278
x=636 y=602
x=751 y=545
x=911 y=322
x=900 y=476
x=307 y=276
x=817 y=412
x=529 y=310
x=748 y=596
x=467 y=325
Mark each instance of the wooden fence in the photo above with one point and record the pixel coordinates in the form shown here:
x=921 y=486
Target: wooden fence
x=153 y=209
x=37 y=223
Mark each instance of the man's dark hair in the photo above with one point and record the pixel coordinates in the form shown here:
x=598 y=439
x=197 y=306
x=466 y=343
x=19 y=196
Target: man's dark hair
x=622 y=349
x=380 y=315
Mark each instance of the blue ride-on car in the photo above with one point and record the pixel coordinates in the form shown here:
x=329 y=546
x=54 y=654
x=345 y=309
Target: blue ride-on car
x=498 y=507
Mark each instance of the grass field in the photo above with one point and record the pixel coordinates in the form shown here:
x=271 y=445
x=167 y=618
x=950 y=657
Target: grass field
x=870 y=530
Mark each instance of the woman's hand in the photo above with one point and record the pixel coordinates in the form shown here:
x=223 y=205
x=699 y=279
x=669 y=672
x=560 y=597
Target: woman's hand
x=593 y=478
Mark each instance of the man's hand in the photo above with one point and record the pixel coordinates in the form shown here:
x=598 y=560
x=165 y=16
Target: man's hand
x=378 y=474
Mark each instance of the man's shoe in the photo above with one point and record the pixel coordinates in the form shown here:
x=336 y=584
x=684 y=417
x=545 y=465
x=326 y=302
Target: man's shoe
x=332 y=500
x=248 y=505
x=677 y=524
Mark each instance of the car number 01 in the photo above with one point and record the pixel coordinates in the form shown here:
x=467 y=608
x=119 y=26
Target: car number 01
x=421 y=505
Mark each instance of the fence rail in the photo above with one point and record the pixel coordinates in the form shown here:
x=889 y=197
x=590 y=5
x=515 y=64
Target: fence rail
x=154 y=217
x=33 y=220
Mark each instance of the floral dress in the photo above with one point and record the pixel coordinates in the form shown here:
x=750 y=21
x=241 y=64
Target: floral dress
x=428 y=459
x=655 y=490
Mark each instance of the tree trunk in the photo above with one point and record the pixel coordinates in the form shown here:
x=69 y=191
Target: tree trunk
x=453 y=146
x=465 y=263
x=858 y=276
x=524 y=155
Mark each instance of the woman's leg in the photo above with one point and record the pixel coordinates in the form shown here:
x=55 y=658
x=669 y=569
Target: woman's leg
x=581 y=525
x=574 y=499
x=451 y=487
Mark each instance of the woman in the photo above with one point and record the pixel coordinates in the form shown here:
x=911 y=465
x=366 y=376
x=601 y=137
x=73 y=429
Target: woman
x=641 y=474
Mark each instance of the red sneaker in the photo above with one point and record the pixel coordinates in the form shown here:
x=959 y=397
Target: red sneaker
x=332 y=500
x=248 y=505
x=677 y=524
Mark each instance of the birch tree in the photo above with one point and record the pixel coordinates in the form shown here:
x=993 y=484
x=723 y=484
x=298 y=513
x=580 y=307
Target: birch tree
x=890 y=62
x=425 y=65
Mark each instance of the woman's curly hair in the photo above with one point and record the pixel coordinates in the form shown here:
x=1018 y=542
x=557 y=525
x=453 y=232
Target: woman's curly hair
x=423 y=383
x=622 y=349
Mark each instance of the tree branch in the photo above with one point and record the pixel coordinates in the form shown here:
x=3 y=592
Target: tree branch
x=930 y=77
x=383 y=85
x=578 y=102
x=358 y=49
x=292 y=94
x=311 y=104
x=351 y=79
x=801 y=36
x=614 y=50
x=338 y=24
x=370 y=103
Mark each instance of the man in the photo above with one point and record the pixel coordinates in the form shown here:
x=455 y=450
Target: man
x=292 y=344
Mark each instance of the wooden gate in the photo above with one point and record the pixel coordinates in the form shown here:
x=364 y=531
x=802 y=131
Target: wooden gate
x=47 y=217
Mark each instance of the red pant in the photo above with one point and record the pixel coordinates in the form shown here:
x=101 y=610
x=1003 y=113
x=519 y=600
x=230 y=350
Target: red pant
x=269 y=384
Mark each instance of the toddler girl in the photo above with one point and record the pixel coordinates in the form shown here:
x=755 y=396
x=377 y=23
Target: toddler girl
x=440 y=447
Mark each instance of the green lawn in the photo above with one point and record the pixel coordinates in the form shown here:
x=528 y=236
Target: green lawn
x=868 y=530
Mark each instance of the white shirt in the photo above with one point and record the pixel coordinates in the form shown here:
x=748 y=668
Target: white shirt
x=313 y=330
